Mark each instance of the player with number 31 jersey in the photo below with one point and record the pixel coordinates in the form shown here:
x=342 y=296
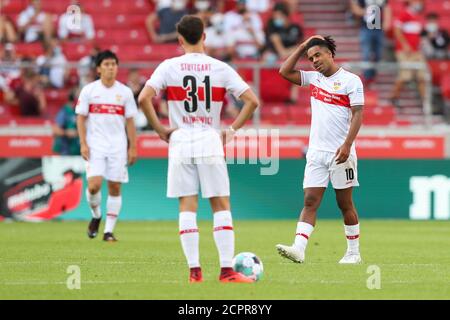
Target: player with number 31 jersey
x=196 y=85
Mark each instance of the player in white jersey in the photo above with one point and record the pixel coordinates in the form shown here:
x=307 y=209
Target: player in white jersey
x=337 y=99
x=196 y=85
x=105 y=111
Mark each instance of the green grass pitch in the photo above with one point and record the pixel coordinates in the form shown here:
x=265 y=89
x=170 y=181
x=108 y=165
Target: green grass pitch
x=147 y=262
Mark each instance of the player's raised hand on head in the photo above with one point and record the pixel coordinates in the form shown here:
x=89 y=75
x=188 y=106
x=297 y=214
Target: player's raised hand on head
x=84 y=150
x=342 y=153
x=132 y=156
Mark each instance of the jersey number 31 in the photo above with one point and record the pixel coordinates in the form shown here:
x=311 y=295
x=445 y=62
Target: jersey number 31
x=191 y=104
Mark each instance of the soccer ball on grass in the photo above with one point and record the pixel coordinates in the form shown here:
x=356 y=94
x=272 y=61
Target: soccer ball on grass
x=249 y=265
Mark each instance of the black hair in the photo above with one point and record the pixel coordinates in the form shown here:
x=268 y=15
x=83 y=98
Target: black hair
x=103 y=55
x=282 y=7
x=328 y=43
x=191 y=28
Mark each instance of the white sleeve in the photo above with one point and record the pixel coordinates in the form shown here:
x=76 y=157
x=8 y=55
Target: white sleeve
x=89 y=25
x=157 y=81
x=130 y=105
x=82 y=107
x=234 y=82
x=23 y=19
x=62 y=27
x=356 y=92
x=306 y=77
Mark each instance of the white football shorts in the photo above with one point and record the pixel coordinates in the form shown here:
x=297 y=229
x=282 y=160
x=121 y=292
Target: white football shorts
x=113 y=167
x=186 y=176
x=321 y=167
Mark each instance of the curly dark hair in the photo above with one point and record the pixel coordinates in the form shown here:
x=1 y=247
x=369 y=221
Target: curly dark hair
x=328 y=43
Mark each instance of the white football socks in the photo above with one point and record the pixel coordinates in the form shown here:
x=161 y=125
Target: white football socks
x=224 y=237
x=302 y=235
x=352 y=234
x=94 y=201
x=189 y=237
x=113 y=206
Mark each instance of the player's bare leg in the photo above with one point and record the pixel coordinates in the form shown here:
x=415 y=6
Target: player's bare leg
x=189 y=236
x=113 y=206
x=305 y=226
x=93 y=196
x=224 y=239
x=351 y=225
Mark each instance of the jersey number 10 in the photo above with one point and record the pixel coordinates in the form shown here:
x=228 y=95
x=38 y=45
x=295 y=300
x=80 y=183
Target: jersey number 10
x=190 y=82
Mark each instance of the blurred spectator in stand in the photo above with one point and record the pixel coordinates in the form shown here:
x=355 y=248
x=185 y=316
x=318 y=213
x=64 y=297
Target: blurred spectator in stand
x=408 y=27
x=34 y=24
x=292 y=5
x=167 y=18
x=258 y=6
x=135 y=83
x=244 y=31
x=9 y=63
x=283 y=37
x=7 y=31
x=372 y=29
x=435 y=39
x=203 y=9
x=66 y=141
x=87 y=69
x=28 y=95
x=67 y=29
x=216 y=43
x=52 y=65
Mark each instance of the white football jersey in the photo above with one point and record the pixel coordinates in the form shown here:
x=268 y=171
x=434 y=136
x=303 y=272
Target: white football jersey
x=107 y=110
x=331 y=101
x=195 y=86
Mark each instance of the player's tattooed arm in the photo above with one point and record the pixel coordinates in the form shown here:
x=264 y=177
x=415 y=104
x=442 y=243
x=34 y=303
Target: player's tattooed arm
x=343 y=152
x=146 y=104
x=132 y=141
x=81 y=126
x=287 y=69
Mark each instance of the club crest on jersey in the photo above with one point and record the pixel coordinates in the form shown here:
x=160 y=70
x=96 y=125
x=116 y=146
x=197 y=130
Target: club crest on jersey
x=315 y=92
x=118 y=97
x=337 y=85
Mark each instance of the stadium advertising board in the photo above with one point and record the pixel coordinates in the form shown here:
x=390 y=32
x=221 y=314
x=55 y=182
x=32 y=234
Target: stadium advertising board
x=35 y=189
x=290 y=147
x=390 y=189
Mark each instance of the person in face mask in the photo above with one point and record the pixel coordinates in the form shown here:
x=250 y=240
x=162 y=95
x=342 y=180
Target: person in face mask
x=282 y=34
x=435 y=39
x=168 y=18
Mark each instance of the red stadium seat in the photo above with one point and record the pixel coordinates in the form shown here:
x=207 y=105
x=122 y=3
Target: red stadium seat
x=74 y=51
x=13 y=7
x=29 y=49
x=446 y=86
x=299 y=115
x=379 y=116
x=122 y=37
x=274 y=114
x=150 y=52
x=120 y=21
x=273 y=88
x=438 y=69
